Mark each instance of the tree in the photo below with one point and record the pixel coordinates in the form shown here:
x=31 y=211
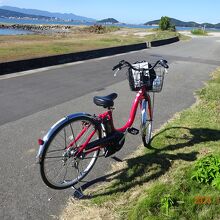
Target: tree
x=164 y=23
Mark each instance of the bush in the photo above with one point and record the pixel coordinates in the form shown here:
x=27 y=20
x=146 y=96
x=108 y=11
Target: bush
x=199 y=31
x=172 y=28
x=207 y=170
x=100 y=29
x=164 y=23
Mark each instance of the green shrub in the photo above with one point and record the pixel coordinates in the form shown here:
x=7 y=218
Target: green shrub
x=207 y=170
x=100 y=29
x=199 y=32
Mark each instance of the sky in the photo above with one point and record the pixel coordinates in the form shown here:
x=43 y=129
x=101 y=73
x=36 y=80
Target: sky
x=133 y=12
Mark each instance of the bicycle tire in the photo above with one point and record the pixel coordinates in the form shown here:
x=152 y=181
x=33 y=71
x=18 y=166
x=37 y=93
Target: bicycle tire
x=146 y=123
x=70 y=179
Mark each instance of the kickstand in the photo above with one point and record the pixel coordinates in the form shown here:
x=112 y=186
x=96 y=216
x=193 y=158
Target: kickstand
x=78 y=193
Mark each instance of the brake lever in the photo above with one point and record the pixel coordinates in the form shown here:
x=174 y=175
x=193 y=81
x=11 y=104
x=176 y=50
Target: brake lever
x=115 y=73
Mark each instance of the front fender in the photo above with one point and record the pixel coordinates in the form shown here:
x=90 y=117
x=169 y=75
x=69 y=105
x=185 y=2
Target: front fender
x=143 y=112
x=59 y=123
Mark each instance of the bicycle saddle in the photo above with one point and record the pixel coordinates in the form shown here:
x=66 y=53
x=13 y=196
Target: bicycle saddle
x=105 y=101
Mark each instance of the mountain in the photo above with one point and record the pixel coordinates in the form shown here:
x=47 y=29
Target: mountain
x=175 y=22
x=109 y=20
x=63 y=16
x=7 y=14
x=217 y=25
x=185 y=24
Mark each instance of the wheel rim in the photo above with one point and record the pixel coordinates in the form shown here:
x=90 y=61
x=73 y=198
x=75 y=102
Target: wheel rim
x=146 y=131
x=61 y=170
x=146 y=123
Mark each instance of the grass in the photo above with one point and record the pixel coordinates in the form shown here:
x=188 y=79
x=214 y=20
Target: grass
x=79 y=39
x=182 y=142
x=199 y=32
x=158 y=183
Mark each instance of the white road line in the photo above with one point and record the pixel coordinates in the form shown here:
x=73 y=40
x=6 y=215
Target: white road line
x=29 y=72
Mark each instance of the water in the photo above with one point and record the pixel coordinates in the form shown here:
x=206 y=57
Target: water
x=20 y=21
x=23 y=21
x=13 y=32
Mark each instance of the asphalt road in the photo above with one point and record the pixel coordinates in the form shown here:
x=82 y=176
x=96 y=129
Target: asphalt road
x=32 y=102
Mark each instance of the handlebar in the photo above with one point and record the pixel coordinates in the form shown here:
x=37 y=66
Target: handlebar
x=124 y=63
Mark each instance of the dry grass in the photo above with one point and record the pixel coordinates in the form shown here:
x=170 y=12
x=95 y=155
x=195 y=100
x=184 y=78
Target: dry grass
x=78 y=39
x=23 y=47
x=84 y=210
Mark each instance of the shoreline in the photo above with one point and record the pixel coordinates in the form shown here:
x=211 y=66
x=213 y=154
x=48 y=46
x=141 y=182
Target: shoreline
x=67 y=28
x=51 y=28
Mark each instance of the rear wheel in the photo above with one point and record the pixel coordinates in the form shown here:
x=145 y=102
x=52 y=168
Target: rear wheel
x=59 y=167
x=146 y=123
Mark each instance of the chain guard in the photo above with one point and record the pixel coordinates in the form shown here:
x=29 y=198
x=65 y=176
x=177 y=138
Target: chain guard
x=115 y=145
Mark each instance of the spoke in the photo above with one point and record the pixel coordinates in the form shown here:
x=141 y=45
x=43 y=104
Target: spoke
x=53 y=171
x=57 y=146
x=73 y=135
x=54 y=157
x=51 y=151
x=86 y=158
x=65 y=173
x=61 y=135
x=56 y=177
x=65 y=138
x=80 y=169
x=52 y=161
x=79 y=173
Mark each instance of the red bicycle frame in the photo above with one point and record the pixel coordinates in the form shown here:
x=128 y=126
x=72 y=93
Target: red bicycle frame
x=141 y=95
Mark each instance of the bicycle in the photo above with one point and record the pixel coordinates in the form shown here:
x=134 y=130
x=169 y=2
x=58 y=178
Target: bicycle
x=71 y=147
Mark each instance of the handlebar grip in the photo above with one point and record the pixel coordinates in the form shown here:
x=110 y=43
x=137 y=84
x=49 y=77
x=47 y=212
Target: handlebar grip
x=164 y=63
x=118 y=66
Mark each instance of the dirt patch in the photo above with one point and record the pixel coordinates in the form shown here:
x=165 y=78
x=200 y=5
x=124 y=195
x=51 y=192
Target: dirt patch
x=83 y=210
x=143 y=34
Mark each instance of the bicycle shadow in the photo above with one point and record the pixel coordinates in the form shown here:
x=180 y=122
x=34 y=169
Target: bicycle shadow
x=151 y=166
x=195 y=136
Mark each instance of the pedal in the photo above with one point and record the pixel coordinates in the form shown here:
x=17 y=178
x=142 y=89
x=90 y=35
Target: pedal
x=133 y=131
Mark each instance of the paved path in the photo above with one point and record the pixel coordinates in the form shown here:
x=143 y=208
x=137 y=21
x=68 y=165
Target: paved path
x=31 y=103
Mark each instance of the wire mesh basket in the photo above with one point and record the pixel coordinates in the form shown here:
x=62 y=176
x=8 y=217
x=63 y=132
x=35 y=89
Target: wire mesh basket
x=152 y=79
x=157 y=83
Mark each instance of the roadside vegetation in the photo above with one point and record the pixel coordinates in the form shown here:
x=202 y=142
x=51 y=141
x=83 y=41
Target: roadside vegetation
x=199 y=31
x=74 y=39
x=178 y=178
x=100 y=29
x=165 y=24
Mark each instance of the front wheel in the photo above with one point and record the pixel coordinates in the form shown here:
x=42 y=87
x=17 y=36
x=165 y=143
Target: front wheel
x=60 y=168
x=146 y=123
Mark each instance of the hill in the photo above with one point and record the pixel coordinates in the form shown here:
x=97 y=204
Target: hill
x=63 y=16
x=180 y=23
x=109 y=20
x=7 y=14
